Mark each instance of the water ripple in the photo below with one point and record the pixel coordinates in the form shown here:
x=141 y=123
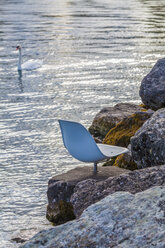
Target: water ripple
x=95 y=55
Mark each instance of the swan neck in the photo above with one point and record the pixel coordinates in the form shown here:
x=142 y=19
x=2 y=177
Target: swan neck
x=20 y=60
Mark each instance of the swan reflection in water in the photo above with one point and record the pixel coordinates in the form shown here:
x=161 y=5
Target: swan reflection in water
x=20 y=80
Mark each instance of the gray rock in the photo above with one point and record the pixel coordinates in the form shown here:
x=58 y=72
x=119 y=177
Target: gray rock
x=120 y=220
x=59 y=209
x=108 y=117
x=148 y=143
x=61 y=187
x=90 y=191
x=152 y=89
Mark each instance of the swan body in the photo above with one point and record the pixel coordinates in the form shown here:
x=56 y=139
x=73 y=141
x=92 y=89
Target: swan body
x=29 y=65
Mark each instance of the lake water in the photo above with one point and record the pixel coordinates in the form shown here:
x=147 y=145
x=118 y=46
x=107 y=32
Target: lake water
x=95 y=54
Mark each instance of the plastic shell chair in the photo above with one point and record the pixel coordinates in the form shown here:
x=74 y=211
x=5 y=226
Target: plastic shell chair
x=81 y=145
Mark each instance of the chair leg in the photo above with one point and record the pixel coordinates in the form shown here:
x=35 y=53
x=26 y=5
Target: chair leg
x=95 y=168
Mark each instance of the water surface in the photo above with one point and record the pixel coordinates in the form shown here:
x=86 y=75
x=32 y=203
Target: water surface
x=95 y=55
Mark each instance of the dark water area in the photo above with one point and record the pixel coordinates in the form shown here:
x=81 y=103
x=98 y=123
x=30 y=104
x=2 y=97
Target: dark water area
x=95 y=54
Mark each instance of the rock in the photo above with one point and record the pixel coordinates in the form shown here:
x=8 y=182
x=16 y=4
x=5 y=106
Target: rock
x=152 y=89
x=108 y=117
x=125 y=161
x=60 y=212
x=110 y=162
x=148 y=144
x=89 y=191
x=120 y=135
x=59 y=209
x=119 y=220
x=18 y=240
x=61 y=187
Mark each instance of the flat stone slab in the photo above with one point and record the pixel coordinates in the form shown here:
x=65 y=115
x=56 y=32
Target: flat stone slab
x=82 y=173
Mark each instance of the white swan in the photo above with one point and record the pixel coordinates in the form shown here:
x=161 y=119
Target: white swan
x=29 y=65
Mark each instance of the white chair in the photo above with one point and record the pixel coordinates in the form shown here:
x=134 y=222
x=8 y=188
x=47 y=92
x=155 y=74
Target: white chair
x=81 y=145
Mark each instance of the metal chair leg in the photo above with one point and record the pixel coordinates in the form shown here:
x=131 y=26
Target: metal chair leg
x=95 y=168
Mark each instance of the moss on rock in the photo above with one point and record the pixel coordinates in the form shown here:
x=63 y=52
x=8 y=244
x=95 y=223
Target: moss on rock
x=143 y=106
x=125 y=161
x=60 y=213
x=108 y=117
x=120 y=135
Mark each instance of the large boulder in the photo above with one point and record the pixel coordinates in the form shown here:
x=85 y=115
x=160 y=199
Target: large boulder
x=148 y=144
x=152 y=89
x=90 y=191
x=119 y=220
x=108 y=117
x=61 y=188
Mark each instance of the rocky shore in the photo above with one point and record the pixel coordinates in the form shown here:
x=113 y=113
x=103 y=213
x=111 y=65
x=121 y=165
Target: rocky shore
x=120 y=220
x=124 y=204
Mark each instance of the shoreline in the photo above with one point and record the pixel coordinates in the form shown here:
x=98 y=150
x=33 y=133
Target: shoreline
x=74 y=197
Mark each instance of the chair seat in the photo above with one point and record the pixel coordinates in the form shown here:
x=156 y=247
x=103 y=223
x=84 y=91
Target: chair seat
x=81 y=145
x=111 y=151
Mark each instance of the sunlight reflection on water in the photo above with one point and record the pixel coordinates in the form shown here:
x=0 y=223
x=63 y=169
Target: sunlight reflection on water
x=95 y=55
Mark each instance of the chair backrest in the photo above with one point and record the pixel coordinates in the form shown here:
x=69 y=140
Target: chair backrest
x=79 y=142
